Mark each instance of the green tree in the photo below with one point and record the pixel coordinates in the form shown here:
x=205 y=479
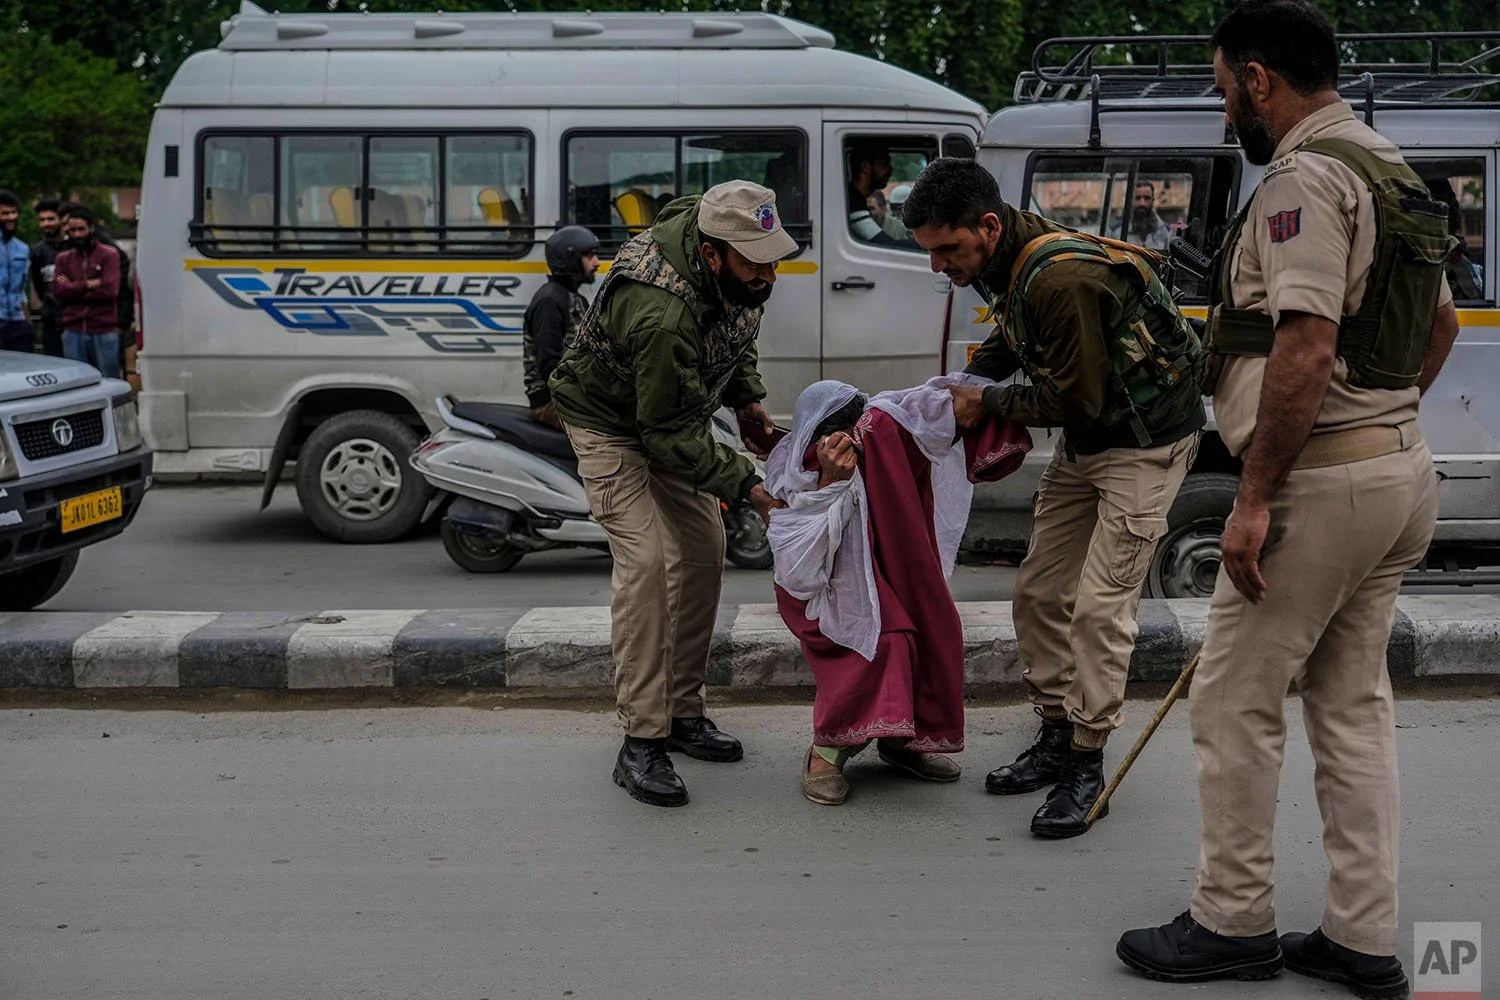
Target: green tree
x=85 y=128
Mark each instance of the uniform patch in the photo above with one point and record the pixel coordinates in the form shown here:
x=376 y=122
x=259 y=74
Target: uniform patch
x=1286 y=163
x=1285 y=225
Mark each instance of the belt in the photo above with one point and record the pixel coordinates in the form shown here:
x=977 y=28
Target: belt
x=1357 y=445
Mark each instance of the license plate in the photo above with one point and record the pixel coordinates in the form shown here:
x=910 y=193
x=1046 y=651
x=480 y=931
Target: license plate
x=91 y=509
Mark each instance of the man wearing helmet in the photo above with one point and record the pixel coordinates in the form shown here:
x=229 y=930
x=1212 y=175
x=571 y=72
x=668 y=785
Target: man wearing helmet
x=556 y=309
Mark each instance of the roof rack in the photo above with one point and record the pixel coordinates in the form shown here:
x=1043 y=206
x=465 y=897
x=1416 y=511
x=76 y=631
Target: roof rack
x=1163 y=85
x=1426 y=81
x=255 y=28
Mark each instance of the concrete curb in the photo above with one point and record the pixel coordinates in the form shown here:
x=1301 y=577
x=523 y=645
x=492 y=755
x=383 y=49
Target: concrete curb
x=562 y=649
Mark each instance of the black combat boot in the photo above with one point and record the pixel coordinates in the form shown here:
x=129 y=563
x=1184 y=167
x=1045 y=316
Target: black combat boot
x=1038 y=766
x=1370 y=977
x=1067 y=805
x=646 y=772
x=699 y=737
x=1185 y=951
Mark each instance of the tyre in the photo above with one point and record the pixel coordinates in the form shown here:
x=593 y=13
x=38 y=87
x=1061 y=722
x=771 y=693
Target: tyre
x=354 y=481
x=1186 y=562
x=745 y=541
x=36 y=584
x=478 y=554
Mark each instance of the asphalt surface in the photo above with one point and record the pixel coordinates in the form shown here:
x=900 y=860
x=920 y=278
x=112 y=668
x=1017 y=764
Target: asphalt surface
x=195 y=548
x=475 y=852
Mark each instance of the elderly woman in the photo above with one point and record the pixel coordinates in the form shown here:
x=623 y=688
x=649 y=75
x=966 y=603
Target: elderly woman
x=877 y=496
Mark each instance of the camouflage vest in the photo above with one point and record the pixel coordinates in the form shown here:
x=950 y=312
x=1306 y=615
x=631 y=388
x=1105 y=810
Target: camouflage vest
x=729 y=334
x=1385 y=342
x=1152 y=352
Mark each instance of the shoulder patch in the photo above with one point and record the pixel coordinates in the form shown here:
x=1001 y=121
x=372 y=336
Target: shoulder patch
x=1285 y=225
x=1284 y=165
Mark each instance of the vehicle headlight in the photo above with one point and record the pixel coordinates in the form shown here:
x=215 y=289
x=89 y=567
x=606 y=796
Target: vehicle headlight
x=127 y=424
x=8 y=468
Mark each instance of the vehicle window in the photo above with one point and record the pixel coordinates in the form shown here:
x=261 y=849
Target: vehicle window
x=617 y=184
x=1458 y=182
x=488 y=182
x=879 y=172
x=1145 y=200
x=958 y=146
x=402 y=197
x=322 y=178
x=343 y=193
x=238 y=182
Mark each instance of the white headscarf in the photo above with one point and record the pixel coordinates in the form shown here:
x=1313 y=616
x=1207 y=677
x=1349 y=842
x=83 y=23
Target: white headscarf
x=821 y=541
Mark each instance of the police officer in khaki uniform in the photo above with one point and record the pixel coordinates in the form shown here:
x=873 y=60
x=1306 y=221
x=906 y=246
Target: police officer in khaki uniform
x=1111 y=362
x=1331 y=317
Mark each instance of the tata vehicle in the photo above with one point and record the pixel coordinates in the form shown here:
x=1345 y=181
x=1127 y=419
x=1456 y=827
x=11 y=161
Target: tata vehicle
x=343 y=218
x=1140 y=151
x=73 y=470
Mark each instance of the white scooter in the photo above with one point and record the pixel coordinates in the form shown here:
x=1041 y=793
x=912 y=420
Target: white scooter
x=515 y=489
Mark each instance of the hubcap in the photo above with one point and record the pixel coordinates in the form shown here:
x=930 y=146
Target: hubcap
x=361 y=479
x=1189 y=562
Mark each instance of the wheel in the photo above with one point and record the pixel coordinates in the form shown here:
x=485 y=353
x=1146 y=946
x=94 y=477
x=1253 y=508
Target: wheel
x=1186 y=562
x=36 y=584
x=354 y=481
x=745 y=541
x=478 y=554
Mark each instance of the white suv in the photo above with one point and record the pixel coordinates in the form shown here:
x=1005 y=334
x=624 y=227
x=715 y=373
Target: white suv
x=73 y=470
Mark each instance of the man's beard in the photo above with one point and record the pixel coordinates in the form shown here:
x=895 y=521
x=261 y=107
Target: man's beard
x=1141 y=218
x=1254 y=132
x=739 y=293
x=8 y=227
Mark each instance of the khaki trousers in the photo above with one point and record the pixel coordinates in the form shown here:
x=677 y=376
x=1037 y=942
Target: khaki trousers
x=667 y=540
x=1341 y=538
x=1093 y=534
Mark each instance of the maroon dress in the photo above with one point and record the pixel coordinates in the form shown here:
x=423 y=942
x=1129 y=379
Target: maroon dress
x=914 y=688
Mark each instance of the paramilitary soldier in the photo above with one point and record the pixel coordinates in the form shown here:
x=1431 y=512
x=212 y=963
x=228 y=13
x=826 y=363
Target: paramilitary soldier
x=669 y=339
x=555 y=313
x=1331 y=317
x=1113 y=363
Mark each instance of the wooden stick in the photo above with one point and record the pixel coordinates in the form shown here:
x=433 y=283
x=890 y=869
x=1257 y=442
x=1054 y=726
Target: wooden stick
x=1140 y=744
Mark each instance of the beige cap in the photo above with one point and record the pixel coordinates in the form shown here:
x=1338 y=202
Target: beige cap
x=744 y=215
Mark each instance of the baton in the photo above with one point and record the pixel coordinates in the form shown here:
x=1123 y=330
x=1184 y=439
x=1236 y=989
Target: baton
x=1140 y=743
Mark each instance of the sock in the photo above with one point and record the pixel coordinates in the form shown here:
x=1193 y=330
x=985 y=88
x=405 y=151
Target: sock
x=838 y=756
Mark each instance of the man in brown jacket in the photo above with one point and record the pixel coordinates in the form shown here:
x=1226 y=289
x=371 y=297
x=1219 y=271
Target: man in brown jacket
x=1111 y=362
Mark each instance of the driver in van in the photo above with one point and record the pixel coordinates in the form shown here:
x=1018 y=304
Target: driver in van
x=556 y=310
x=870 y=170
x=669 y=339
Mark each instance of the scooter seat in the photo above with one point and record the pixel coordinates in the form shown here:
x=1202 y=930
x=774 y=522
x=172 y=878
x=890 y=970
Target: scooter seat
x=514 y=426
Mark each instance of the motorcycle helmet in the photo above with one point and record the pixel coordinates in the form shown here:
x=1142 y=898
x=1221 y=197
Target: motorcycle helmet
x=566 y=249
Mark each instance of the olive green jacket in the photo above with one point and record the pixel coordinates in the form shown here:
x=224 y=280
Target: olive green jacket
x=662 y=404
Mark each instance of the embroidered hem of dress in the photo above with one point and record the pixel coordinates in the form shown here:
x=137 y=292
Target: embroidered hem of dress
x=887 y=730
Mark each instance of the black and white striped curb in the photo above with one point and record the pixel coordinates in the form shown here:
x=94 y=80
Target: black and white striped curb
x=569 y=648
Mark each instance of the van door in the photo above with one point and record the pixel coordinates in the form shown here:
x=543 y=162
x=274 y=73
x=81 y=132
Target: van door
x=883 y=308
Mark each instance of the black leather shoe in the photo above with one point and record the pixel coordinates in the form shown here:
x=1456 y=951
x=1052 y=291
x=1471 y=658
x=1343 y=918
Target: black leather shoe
x=700 y=738
x=1371 y=977
x=1185 y=951
x=1038 y=766
x=646 y=772
x=1067 y=806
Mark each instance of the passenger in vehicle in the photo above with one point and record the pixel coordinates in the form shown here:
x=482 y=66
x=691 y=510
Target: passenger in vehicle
x=1145 y=227
x=878 y=497
x=869 y=165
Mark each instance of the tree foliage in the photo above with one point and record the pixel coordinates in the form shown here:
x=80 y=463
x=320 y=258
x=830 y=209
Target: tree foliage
x=70 y=120
x=974 y=46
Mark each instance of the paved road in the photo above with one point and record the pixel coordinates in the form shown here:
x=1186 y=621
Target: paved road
x=211 y=549
x=461 y=854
